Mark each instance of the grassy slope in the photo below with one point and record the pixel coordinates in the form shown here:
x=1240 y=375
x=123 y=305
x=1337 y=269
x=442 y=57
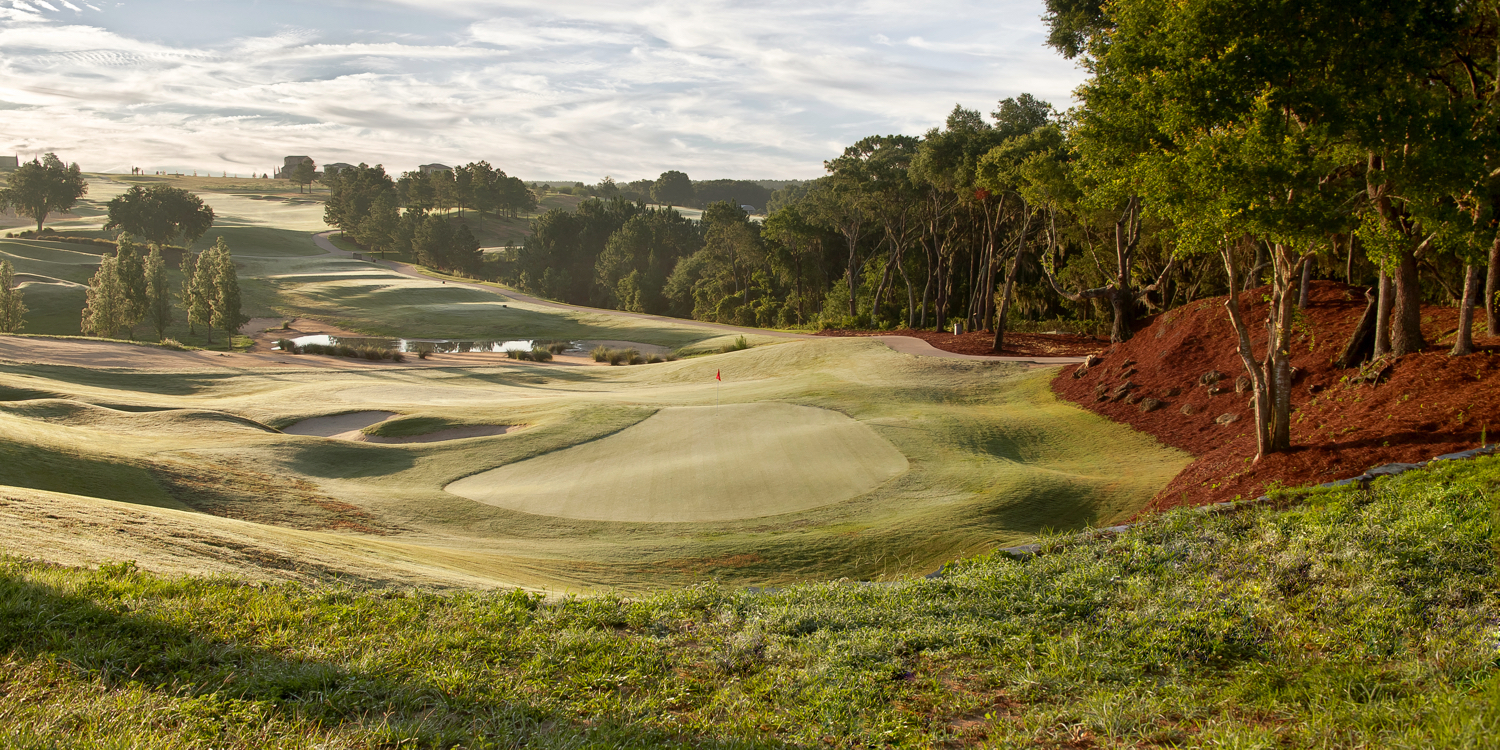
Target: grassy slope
x=993 y=457
x=1356 y=619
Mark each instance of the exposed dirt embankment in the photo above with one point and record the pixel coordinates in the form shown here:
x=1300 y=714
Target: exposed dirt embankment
x=1163 y=382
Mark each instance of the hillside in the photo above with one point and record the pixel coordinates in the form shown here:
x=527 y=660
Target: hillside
x=1357 y=619
x=1421 y=406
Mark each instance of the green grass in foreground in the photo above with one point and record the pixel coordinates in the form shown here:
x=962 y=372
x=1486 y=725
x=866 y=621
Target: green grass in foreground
x=1354 y=620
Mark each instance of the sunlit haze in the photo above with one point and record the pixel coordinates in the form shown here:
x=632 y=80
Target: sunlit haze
x=543 y=90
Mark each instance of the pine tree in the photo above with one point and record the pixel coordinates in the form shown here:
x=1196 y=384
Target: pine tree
x=189 y=295
x=106 y=307
x=132 y=272
x=202 y=308
x=12 y=309
x=158 y=294
x=227 y=313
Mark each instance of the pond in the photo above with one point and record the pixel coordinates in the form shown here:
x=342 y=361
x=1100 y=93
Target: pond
x=440 y=346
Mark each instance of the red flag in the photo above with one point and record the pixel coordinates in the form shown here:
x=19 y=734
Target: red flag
x=717 y=375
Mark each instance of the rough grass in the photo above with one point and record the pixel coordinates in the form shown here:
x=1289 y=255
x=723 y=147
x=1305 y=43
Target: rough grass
x=1355 y=620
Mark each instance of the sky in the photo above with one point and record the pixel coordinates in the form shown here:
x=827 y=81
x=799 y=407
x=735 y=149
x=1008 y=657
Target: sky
x=543 y=89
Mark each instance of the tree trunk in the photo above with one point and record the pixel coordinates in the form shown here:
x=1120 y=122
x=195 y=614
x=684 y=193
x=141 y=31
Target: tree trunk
x=1302 y=293
x=1362 y=341
x=1010 y=285
x=1406 y=323
x=1349 y=261
x=1383 y=317
x=1122 y=302
x=1247 y=355
x=1279 y=350
x=1463 y=344
x=1492 y=291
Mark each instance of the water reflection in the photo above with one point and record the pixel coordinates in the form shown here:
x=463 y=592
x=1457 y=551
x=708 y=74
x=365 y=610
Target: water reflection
x=413 y=346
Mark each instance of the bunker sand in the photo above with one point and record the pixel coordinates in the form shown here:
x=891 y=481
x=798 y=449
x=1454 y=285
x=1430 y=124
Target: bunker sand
x=696 y=464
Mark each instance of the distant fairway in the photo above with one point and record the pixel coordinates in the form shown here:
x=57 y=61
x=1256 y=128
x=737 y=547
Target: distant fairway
x=703 y=463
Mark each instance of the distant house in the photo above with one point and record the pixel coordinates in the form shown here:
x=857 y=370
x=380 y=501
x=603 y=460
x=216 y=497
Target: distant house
x=430 y=168
x=290 y=163
x=10 y=162
x=336 y=167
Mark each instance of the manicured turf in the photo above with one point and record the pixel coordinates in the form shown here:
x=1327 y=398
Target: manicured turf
x=991 y=458
x=699 y=463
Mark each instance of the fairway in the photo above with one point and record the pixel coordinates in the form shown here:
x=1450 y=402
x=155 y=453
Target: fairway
x=704 y=463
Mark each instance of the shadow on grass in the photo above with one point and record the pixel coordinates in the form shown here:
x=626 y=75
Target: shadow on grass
x=249 y=694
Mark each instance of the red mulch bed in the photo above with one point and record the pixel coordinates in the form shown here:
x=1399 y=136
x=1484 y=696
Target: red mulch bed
x=980 y=342
x=1427 y=405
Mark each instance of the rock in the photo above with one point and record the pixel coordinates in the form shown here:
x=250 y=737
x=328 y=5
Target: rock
x=1149 y=405
x=1189 y=409
x=1101 y=389
x=1170 y=392
x=1102 y=397
x=1131 y=398
x=1214 y=390
x=1080 y=371
x=1128 y=372
x=1226 y=418
x=1242 y=384
x=1210 y=377
x=1093 y=360
x=1127 y=363
x=1315 y=388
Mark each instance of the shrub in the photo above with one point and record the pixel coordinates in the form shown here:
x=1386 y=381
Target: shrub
x=397 y=356
x=173 y=344
x=739 y=344
x=633 y=357
x=521 y=354
x=374 y=353
x=541 y=355
x=558 y=347
x=423 y=353
x=653 y=359
x=345 y=350
x=600 y=354
x=615 y=356
x=285 y=345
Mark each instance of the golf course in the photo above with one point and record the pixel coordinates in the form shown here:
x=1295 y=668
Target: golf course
x=795 y=459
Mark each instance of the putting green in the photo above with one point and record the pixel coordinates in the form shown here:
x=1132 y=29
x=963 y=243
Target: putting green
x=696 y=464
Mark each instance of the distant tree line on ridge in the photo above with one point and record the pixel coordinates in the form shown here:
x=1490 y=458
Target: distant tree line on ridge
x=411 y=215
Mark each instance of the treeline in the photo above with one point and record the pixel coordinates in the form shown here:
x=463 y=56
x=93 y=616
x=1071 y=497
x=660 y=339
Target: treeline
x=411 y=214
x=674 y=188
x=130 y=288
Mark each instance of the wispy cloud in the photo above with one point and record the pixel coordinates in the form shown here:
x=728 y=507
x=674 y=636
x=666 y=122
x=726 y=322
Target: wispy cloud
x=545 y=90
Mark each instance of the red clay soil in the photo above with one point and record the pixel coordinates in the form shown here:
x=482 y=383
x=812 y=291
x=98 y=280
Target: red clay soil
x=980 y=342
x=1427 y=404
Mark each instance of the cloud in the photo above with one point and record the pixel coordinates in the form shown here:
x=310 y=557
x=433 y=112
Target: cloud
x=544 y=90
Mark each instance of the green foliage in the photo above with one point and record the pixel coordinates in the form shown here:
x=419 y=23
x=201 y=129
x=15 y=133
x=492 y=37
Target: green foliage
x=158 y=293
x=107 y=307
x=160 y=213
x=12 y=306
x=672 y=188
x=43 y=186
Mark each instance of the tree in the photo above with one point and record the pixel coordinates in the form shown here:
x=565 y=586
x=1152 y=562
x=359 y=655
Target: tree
x=638 y=258
x=204 y=289
x=227 y=314
x=131 y=270
x=189 y=290
x=158 y=294
x=160 y=214
x=12 y=308
x=106 y=307
x=433 y=243
x=40 y=188
x=466 y=254
x=672 y=188
x=304 y=174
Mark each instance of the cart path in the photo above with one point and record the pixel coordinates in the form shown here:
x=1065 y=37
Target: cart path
x=902 y=344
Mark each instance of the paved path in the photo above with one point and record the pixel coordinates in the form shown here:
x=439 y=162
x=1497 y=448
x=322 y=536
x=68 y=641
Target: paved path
x=903 y=344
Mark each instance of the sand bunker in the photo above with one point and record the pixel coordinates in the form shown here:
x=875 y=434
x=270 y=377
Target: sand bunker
x=342 y=426
x=349 y=426
x=694 y=464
